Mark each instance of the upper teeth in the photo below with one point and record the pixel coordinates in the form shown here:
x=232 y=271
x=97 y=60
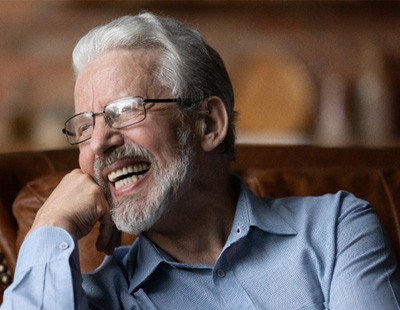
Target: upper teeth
x=115 y=175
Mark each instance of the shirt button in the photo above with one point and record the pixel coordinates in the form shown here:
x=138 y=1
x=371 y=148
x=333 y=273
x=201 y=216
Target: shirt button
x=63 y=246
x=220 y=273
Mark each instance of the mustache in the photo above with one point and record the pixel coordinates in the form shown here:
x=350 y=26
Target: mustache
x=120 y=153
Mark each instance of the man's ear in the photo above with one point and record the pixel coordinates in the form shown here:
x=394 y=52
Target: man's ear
x=214 y=125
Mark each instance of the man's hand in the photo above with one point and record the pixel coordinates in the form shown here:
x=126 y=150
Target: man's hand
x=76 y=205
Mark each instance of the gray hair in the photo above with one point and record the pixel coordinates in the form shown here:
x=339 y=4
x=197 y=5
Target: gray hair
x=189 y=67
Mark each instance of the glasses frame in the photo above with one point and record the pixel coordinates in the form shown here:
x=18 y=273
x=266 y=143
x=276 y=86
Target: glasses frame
x=108 y=121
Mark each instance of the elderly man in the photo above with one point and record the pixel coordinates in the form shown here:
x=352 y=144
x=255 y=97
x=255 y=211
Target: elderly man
x=155 y=127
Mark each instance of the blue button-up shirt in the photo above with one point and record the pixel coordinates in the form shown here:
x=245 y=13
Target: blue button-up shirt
x=325 y=252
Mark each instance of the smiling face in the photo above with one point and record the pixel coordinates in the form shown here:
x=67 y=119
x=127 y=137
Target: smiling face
x=142 y=168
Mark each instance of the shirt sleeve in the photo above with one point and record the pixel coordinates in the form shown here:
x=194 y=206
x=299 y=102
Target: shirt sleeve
x=365 y=275
x=47 y=274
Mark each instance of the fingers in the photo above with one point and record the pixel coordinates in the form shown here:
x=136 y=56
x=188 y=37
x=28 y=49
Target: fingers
x=76 y=205
x=109 y=236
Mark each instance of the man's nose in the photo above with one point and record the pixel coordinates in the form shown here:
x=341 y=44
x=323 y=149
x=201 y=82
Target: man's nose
x=104 y=137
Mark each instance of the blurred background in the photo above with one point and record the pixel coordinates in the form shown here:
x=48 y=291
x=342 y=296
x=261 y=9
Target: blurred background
x=318 y=72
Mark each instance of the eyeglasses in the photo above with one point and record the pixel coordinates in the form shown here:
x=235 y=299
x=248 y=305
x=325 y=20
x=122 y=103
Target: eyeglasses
x=118 y=114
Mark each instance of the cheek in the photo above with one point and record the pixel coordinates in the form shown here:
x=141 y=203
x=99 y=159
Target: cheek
x=86 y=160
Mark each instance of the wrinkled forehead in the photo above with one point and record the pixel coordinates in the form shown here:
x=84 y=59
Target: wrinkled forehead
x=113 y=75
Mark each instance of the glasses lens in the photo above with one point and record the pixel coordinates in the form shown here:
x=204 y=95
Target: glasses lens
x=125 y=112
x=79 y=127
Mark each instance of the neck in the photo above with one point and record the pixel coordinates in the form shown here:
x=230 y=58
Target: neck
x=196 y=228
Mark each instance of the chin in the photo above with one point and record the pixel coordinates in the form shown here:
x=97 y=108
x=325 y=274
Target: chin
x=133 y=217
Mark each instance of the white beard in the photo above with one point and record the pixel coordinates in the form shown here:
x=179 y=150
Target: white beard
x=139 y=212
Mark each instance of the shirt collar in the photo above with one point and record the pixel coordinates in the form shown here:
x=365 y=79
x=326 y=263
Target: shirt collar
x=254 y=211
x=251 y=211
x=143 y=259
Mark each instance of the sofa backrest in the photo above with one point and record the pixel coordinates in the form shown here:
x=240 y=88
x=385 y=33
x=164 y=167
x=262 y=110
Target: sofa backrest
x=27 y=178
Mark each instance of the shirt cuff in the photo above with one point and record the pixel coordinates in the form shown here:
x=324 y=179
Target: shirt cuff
x=45 y=245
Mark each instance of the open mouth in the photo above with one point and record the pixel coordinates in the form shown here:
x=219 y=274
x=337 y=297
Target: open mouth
x=128 y=175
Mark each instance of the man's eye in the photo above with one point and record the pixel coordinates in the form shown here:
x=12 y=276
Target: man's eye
x=84 y=129
x=126 y=109
x=116 y=111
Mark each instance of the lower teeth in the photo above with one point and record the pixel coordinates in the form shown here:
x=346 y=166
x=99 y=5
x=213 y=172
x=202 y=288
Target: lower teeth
x=127 y=181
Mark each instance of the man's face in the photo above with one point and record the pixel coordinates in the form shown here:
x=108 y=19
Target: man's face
x=142 y=168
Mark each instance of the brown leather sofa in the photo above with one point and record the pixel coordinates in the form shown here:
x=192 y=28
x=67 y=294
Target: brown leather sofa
x=27 y=178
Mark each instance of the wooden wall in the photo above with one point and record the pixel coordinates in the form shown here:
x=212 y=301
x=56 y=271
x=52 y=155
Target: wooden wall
x=304 y=72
